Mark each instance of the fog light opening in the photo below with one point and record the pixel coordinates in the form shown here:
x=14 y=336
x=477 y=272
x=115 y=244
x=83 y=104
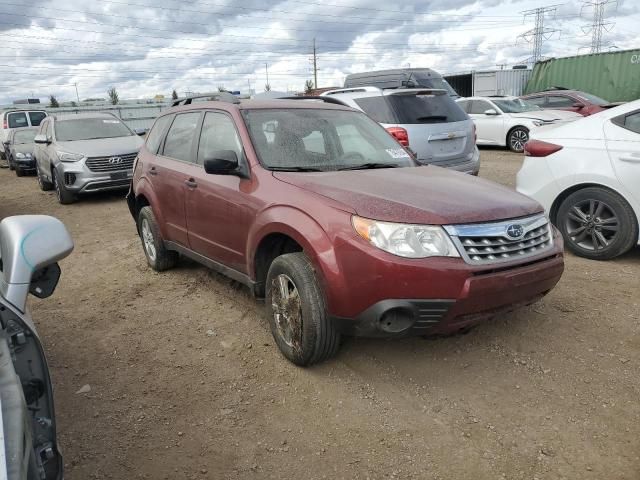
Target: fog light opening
x=69 y=178
x=396 y=320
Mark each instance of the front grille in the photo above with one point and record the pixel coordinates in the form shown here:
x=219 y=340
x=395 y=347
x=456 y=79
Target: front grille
x=111 y=164
x=489 y=243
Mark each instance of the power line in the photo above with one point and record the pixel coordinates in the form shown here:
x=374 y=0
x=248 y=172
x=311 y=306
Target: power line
x=539 y=33
x=598 y=24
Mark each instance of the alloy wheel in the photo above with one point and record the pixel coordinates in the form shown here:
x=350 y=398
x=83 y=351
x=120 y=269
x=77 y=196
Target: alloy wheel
x=592 y=224
x=287 y=311
x=147 y=239
x=518 y=138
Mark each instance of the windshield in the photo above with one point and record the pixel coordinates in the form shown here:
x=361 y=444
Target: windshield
x=588 y=98
x=321 y=140
x=90 y=128
x=515 y=105
x=24 y=136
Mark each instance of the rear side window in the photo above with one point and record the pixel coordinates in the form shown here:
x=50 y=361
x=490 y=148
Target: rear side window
x=539 y=101
x=630 y=121
x=415 y=109
x=464 y=105
x=558 y=101
x=180 y=137
x=479 y=107
x=36 y=118
x=377 y=108
x=17 y=120
x=155 y=135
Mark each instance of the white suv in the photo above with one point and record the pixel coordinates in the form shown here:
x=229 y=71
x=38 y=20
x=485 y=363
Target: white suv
x=426 y=120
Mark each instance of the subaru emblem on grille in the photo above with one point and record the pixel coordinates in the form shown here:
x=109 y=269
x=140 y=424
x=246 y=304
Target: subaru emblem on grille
x=115 y=160
x=515 y=231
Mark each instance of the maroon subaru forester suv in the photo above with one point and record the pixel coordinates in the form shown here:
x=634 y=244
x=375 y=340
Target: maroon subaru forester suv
x=317 y=209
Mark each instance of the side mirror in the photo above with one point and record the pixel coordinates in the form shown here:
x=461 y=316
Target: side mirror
x=42 y=139
x=491 y=111
x=30 y=247
x=222 y=162
x=141 y=132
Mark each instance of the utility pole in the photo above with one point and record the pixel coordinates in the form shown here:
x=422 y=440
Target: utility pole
x=315 y=64
x=598 y=23
x=266 y=69
x=538 y=34
x=77 y=96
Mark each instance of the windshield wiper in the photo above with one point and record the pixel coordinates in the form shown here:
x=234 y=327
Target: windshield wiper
x=440 y=118
x=370 y=165
x=295 y=169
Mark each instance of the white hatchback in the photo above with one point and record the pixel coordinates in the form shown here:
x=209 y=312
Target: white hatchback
x=507 y=121
x=587 y=176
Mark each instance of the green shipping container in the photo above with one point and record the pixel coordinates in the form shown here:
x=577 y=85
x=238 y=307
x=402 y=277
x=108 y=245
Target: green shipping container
x=614 y=76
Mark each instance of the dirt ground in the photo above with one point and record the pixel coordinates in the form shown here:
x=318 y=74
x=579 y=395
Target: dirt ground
x=186 y=381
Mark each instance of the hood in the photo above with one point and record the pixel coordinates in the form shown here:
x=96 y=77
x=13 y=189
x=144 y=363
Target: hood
x=23 y=147
x=103 y=147
x=548 y=115
x=422 y=195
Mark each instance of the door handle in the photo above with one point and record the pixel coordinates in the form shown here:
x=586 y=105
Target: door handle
x=191 y=183
x=153 y=171
x=633 y=158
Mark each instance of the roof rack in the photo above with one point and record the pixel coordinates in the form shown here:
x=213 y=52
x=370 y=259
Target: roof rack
x=335 y=101
x=216 y=97
x=353 y=90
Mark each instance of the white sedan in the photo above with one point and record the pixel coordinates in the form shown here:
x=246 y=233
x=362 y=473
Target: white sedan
x=587 y=176
x=507 y=121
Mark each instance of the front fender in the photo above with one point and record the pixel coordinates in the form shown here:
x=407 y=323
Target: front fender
x=305 y=230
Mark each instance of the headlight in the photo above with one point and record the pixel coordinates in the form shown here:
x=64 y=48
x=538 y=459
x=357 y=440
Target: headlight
x=406 y=240
x=20 y=155
x=69 y=157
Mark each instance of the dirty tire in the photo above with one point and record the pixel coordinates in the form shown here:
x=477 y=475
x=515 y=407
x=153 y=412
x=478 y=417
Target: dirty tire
x=158 y=257
x=314 y=338
x=44 y=185
x=19 y=172
x=11 y=164
x=65 y=197
x=516 y=139
x=614 y=208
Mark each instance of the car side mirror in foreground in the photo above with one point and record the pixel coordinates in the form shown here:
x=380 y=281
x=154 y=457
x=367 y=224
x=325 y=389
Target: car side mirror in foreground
x=30 y=247
x=141 y=132
x=491 y=111
x=224 y=162
x=41 y=139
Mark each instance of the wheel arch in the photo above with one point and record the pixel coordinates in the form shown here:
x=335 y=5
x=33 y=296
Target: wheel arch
x=553 y=211
x=145 y=197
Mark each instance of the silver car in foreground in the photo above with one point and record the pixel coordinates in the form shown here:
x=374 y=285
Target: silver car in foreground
x=84 y=153
x=30 y=247
x=428 y=121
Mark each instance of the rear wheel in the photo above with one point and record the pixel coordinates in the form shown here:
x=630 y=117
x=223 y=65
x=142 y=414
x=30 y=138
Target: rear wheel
x=65 y=197
x=597 y=223
x=516 y=139
x=297 y=312
x=158 y=257
x=44 y=184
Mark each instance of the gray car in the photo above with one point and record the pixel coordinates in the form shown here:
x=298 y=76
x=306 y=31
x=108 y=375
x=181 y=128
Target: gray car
x=84 y=153
x=19 y=150
x=428 y=121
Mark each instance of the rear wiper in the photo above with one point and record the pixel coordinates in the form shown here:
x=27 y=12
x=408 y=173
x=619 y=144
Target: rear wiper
x=441 y=118
x=370 y=165
x=295 y=169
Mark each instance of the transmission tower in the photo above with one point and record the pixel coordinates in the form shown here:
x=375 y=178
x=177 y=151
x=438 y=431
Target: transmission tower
x=598 y=24
x=539 y=33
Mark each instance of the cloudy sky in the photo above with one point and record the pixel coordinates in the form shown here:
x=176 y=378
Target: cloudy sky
x=145 y=47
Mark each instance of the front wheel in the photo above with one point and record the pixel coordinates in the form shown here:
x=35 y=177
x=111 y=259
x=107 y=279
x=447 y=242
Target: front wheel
x=11 y=164
x=65 y=197
x=297 y=312
x=19 y=172
x=597 y=223
x=517 y=138
x=44 y=184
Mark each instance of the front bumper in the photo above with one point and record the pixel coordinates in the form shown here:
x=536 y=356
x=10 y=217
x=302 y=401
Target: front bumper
x=379 y=296
x=25 y=163
x=79 y=179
